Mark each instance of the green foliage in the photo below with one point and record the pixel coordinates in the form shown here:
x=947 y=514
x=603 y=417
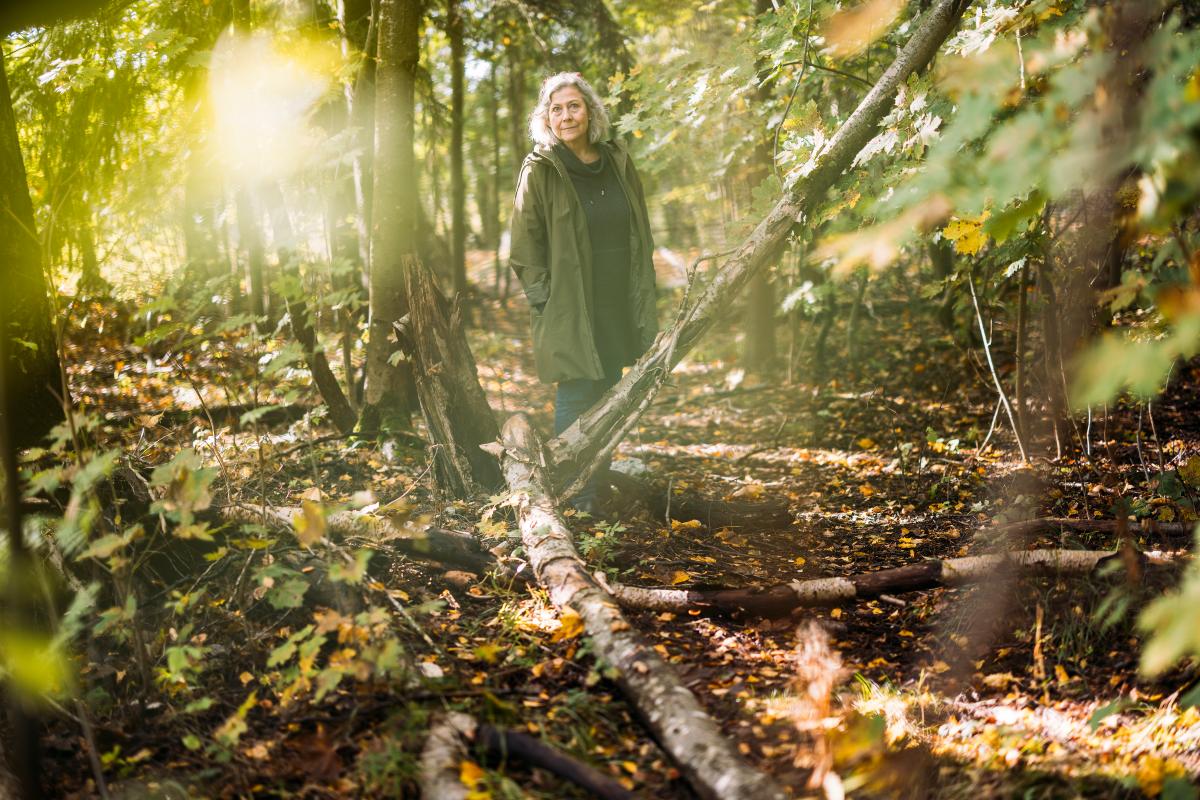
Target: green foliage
x=186 y=489
x=1138 y=364
x=1173 y=623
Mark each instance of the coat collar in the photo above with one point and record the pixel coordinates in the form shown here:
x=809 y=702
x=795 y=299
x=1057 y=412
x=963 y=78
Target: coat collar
x=614 y=147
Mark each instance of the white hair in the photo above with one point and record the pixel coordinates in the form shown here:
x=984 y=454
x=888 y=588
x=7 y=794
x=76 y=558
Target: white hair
x=539 y=123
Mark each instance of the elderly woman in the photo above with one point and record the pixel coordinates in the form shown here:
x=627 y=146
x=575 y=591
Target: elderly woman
x=581 y=248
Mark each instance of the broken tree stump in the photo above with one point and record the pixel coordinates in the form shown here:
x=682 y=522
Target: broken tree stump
x=674 y=717
x=453 y=403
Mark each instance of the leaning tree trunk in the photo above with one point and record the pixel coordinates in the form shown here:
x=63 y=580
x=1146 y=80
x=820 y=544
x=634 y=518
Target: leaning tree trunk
x=30 y=367
x=758 y=314
x=682 y=728
x=580 y=450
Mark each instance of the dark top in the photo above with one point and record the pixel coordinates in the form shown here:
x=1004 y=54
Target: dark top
x=608 y=219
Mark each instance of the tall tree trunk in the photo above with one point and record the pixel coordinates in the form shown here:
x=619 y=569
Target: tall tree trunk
x=199 y=190
x=458 y=198
x=497 y=227
x=362 y=117
x=1096 y=247
x=518 y=139
x=251 y=245
x=30 y=366
x=394 y=221
x=90 y=279
x=348 y=238
x=758 y=316
x=249 y=210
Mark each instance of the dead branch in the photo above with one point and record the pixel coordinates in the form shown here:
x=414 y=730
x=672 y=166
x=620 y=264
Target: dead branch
x=776 y=601
x=689 y=736
x=500 y=744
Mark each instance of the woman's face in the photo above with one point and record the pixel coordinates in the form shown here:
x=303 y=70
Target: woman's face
x=568 y=115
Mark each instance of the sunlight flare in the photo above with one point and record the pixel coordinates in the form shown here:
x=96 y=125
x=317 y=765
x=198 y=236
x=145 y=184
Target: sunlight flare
x=264 y=91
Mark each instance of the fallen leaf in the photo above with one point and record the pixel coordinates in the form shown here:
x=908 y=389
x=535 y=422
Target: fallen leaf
x=309 y=523
x=570 y=626
x=469 y=773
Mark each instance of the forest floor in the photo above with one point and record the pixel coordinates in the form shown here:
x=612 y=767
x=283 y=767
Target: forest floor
x=1019 y=687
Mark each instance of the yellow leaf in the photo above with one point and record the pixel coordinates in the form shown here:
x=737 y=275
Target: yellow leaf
x=836 y=613
x=680 y=577
x=1061 y=674
x=245 y=678
x=800 y=561
x=866 y=443
x=967 y=234
x=309 y=523
x=469 y=773
x=489 y=652
x=998 y=680
x=629 y=767
x=939 y=667
x=570 y=625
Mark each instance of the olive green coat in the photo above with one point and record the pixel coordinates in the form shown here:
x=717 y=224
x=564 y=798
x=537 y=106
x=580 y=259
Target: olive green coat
x=552 y=256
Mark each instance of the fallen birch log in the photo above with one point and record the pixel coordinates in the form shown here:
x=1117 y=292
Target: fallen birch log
x=587 y=444
x=441 y=758
x=776 y=601
x=674 y=717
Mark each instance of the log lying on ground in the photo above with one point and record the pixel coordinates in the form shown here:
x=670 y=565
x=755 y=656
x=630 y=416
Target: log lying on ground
x=231 y=415
x=451 y=548
x=446 y=748
x=442 y=757
x=453 y=403
x=1032 y=527
x=689 y=736
x=776 y=601
x=761 y=515
x=585 y=445
x=499 y=745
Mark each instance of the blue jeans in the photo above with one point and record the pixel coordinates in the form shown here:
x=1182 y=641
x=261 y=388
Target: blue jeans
x=571 y=400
